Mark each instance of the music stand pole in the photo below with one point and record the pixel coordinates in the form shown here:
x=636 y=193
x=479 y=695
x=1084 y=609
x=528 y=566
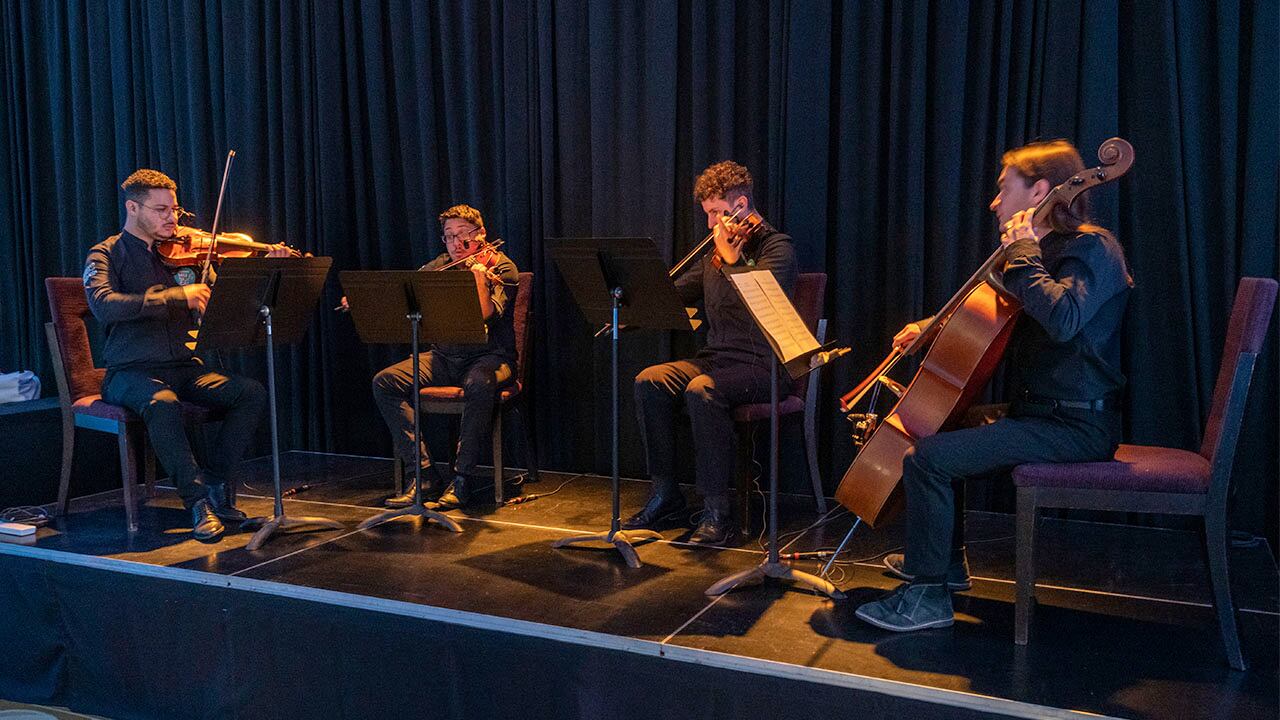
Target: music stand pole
x=623 y=540
x=772 y=567
x=417 y=509
x=279 y=522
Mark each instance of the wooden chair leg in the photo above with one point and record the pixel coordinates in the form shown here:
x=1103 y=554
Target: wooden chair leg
x=1025 y=564
x=128 y=475
x=149 y=465
x=68 y=456
x=811 y=451
x=530 y=440
x=1216 y=544
x=497 y=457
x=742 y=475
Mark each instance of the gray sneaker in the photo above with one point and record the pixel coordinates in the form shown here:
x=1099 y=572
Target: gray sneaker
x=910 y=607
x=957 y=572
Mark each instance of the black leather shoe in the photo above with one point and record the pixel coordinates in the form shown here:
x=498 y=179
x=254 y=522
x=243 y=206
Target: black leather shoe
x=716 y=528
x=223 y=507
x=430 y=490
x=205 y=525
x=457 y=494
x=663 y=507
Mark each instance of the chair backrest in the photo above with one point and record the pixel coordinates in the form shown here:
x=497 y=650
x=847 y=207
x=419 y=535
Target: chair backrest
x=522 y=319
x=68 y=309
x=1250 y=317
x=809 y=298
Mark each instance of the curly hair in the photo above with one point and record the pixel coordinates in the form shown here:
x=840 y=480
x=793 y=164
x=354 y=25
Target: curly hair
x=722 y=180
x=462 y=212
x=143 y=181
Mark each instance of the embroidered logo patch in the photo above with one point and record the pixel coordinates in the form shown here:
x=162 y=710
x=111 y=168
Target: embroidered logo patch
x=90 y=270
x=184 y=276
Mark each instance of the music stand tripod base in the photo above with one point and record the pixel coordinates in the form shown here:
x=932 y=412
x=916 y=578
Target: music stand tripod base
x=775 y=571
x=285 y=523
x=414 y=510
x=623 y=540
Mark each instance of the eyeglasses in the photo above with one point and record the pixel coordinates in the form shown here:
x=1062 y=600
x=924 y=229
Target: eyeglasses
x=164 y=211
x=459 y=237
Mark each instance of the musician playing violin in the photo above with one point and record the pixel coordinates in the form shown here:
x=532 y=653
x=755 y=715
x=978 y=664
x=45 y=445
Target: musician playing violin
x=480 y=370
x=1073 y=283
x=146 y=309
x=731 y=369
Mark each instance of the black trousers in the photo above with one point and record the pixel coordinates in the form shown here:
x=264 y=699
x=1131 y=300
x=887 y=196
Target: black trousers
x=709 y=388
x=155 y=394
x=480 y=379
x=935 y=469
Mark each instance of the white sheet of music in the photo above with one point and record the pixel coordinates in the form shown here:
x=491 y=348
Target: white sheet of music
x=774 y=313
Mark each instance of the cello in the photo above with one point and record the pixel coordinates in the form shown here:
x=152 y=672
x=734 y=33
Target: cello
x=969 y=336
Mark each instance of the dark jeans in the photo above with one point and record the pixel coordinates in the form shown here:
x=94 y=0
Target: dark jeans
x=937 y=466
x=710 y=388
x=480 y=379
x=155 y=394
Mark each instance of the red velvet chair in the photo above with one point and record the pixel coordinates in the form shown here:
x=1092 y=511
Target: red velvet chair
x=79 y=394
x=809 y=297
x=448 y=399
x=1160 y=480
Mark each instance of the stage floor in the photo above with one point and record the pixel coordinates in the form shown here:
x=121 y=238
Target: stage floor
x=1123 y=627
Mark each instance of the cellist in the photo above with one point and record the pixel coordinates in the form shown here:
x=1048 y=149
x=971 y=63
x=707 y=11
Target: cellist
x=1073 y=282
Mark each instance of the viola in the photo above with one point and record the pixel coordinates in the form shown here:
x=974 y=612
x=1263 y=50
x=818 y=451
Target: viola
x=739 y=231
x=969 y=336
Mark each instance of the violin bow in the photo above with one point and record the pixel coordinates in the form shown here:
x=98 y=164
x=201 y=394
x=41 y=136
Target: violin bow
x=217 y=214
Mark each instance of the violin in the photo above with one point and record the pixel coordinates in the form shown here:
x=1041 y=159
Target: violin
x=189 y=247
x=486 y=257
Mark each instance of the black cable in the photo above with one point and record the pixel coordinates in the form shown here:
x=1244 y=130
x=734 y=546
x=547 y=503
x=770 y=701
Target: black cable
x=519 y=499
x=26 y=514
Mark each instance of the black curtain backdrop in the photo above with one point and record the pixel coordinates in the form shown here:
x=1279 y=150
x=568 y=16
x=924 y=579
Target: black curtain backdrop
x=874 y=130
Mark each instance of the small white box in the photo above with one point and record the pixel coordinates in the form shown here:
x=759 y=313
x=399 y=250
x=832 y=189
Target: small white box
x=18 y=529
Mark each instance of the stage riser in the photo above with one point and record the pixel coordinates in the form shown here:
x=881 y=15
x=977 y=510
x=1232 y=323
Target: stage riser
x=132 y=646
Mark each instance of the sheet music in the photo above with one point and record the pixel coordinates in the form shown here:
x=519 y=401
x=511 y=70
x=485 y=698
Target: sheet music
x=774 y=313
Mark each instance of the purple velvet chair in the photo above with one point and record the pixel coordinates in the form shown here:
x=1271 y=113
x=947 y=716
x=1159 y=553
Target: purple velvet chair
x=80 y=396
x=808 y=297
x=1160 y=480
x=448 y=399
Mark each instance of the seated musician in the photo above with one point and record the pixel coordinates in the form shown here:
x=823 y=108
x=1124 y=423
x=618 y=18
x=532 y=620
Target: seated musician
x=731 y=369
x=146 y=309
x=480 y=370
x=1073 y=283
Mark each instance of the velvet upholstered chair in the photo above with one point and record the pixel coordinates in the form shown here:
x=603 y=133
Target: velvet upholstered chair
x=80 y=397
x=1160 y=480
x=448 y=400
x=809 y=296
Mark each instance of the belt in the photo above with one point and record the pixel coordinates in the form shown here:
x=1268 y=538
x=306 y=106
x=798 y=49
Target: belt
x=1098 y=405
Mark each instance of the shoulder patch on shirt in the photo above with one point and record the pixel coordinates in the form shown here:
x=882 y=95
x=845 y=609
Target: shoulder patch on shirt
x=90 y=271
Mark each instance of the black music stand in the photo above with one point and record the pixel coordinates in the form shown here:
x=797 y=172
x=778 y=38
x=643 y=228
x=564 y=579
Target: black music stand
x=258 y=301
x=800 y=353
x=411 y=307
x=618 y=280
